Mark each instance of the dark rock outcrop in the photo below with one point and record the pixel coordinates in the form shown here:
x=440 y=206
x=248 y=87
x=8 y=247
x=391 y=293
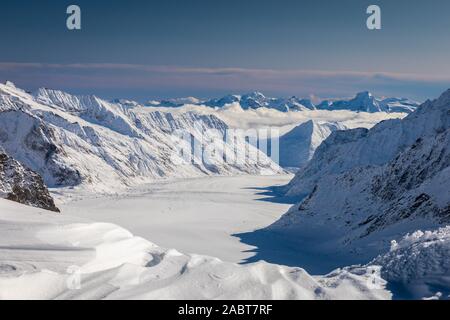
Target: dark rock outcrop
x=20 y=184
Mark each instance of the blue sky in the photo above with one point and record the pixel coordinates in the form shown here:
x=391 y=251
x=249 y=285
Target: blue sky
x=172 y=48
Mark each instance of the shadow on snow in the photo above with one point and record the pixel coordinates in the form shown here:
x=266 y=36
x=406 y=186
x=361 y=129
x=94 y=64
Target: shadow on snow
x=278 y=248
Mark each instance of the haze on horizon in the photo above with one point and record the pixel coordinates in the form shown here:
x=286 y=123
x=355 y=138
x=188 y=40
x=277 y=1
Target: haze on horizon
x=160 y=49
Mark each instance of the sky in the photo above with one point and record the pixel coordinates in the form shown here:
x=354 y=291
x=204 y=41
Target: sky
x=144 y=49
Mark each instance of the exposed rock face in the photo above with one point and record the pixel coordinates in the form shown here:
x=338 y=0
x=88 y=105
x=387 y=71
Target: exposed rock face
x=23 y=185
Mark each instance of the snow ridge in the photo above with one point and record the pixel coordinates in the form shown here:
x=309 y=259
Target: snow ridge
x=114 y=264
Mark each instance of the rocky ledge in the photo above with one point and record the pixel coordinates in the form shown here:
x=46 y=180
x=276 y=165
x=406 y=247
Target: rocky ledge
x=20 y=184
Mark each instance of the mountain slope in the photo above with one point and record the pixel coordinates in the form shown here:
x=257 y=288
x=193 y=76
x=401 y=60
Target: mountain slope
x=256 y=100
x=363 y=102
x=366 y=102
x=72 y=140
x=297 y=146
x=22 y=185
x=365 y=187
x=418 y=265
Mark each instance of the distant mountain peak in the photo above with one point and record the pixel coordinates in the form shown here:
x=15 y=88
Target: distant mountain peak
x=10 y=84
x=254 y=95
x=444 y=99
x=364 y=94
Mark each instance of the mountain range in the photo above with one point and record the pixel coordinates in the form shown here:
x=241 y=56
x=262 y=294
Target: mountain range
x=363 y=188
x=363 y=195
x=86 y=141
x=362 y=102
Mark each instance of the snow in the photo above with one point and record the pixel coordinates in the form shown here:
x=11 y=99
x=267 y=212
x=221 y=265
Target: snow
x=89 y=143
x=193 y=215
x=370 y=148
x=363 y=102
x=86 y=142
x=236 y=117
x=364 y=188
x=297 y=146
x=48 y=257
x=366 y=102
x=418 y=266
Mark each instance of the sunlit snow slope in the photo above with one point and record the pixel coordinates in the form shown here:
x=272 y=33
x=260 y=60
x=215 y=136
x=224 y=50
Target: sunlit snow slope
x=365 y=187
x=83 y=140
x=44 y=256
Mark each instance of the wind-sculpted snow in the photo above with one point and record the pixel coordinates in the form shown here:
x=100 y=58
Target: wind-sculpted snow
x=418 y=266
x=104 y=261
x=83 y=140
x=365 y=187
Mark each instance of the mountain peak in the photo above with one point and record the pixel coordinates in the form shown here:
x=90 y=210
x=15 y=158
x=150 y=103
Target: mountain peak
x=10 y=84
x=254 y=95
x=364 y=95
x=444 y=99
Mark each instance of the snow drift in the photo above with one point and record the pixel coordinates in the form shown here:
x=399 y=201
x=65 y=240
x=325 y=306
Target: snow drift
x=418 y=266
x=43 y=257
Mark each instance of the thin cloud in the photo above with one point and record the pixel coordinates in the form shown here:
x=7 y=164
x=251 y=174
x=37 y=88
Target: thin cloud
x=226 y=71
x=202 y=80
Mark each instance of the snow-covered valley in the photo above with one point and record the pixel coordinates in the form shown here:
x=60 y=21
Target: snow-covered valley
x=46 y=256
x=192 y=215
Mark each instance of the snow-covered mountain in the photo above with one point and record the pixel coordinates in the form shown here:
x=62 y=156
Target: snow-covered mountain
x=256 y=100
x=22 y=185
x=365 y=187
x=297 y=146
x=174 y=103
x=72 y=140
x=363 y=102
x=366 y=102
